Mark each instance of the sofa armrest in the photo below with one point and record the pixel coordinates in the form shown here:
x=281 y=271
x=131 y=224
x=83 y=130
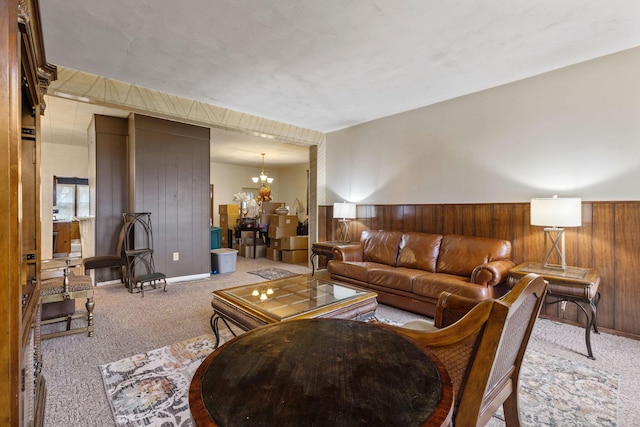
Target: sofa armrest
x=348 y=253
x=492 y=273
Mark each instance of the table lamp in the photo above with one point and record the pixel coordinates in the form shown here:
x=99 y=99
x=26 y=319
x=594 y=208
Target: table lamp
x=344 y=212
x=554 y=214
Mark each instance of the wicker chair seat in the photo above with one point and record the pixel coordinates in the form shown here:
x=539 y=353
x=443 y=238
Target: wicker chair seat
x=55 y=285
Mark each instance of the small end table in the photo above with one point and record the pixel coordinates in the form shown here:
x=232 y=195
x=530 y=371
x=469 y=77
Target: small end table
x=575 y=284
x=323 y=249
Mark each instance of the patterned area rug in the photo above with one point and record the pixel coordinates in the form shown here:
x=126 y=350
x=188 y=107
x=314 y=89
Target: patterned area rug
x=272 y=273
x=557 y=392
x=153 y=388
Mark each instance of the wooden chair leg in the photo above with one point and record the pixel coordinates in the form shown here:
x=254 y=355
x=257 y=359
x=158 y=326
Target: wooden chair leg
x=511 y=410
x=90 y=306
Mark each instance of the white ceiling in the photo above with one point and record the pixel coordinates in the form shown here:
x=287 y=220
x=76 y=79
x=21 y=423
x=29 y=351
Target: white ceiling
x=326 y=65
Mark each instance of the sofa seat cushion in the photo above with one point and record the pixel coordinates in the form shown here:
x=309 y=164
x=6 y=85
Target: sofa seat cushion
x=353 y=269
x=399 y=278
x=432 y=284
x=419 y=250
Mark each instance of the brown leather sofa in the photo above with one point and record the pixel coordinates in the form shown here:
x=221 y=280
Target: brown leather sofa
x=410 y=270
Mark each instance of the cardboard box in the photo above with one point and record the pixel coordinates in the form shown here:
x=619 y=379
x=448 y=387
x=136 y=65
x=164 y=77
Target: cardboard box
x=278 y=232
x=264 y=218
x=247 y=251
x=294 y=242
x=250 y=241
x=270 y=207
x=299 y=256
x=224 y=237
x=228 y=221
x=282 y=220
x=275 y=243
x=231 y=209
x=274 y=254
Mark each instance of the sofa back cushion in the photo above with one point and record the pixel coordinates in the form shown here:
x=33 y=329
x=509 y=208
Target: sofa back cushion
x=381 y=246
x=459 y=255
x=419 y=250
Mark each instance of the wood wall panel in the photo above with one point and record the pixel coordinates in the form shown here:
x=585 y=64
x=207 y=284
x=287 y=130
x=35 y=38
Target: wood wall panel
x=502 y=219
x=431 y=219
x=603 y=254
x=627 y=251
x=483 y=214
x=111 y=187
x=323 y=235
x=409 y=218
x=170 y=166
x=609 y=240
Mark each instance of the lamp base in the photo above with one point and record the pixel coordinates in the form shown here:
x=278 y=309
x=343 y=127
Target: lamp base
x=343 y=230
x=554 y=237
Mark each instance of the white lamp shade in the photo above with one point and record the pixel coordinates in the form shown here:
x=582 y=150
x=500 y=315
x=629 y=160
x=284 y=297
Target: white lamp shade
x=556 y=212
x=344 y=210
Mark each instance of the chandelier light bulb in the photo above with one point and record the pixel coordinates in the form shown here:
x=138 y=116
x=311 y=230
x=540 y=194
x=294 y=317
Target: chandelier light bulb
x=263 y=179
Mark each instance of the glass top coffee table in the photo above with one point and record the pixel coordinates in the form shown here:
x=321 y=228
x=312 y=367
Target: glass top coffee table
x=295 y=297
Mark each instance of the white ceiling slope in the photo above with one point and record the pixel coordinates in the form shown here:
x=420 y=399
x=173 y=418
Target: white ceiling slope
x=326 y=65
x=330 y=64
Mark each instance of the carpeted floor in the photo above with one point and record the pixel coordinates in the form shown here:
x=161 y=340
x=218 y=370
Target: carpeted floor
x=127 y=324
x=152 y=388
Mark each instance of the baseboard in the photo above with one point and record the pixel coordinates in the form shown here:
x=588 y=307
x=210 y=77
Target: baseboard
x=171 y=280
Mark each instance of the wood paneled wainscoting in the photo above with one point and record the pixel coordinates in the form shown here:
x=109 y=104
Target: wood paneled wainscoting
x=609 y=240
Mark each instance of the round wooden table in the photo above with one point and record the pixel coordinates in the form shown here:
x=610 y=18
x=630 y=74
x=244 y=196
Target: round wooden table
x=321 y=372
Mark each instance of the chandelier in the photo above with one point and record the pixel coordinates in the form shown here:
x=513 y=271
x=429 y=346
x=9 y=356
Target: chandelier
x=263 y=179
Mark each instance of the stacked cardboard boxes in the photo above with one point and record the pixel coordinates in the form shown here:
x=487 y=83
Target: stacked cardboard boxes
x=247 y=242
x=228 y=217
x=282 y=226
x=295 y=249
x=284 y=245
x=247 y=251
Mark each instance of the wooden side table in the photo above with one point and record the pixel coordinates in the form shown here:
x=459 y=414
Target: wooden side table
x=323 y=249
x=577 y=285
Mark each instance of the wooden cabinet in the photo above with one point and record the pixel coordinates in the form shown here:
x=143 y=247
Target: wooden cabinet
x=23 y=83
x=65 y=232
x=62 y=233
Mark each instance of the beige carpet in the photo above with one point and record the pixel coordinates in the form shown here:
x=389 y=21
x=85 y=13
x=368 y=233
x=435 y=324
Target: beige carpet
x=127 y=324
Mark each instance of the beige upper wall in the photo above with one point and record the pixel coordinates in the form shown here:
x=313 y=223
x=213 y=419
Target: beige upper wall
x=571 y=132
x=289 y=183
